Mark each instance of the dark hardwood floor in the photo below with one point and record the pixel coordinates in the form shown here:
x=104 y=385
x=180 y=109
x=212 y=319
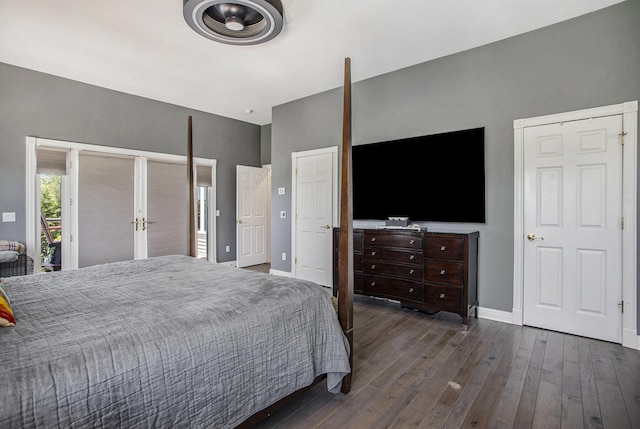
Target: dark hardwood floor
x=263 y=268
x=420 y=371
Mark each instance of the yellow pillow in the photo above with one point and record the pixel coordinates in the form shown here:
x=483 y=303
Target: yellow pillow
x=6 y=315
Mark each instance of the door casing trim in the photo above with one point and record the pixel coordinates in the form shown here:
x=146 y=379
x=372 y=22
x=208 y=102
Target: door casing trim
x=70 y=189
x=295 y=156
x=629 y=112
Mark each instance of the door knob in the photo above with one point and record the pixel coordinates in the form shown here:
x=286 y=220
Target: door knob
x=326 y=226
x=532 y=237
x=240 y=221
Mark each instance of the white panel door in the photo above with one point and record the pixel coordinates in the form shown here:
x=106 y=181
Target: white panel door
x=252 y=191
x=314 y=201
x=572 y=220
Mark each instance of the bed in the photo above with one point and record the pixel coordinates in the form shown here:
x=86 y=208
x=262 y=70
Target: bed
x=174 y=341
x=162 y=342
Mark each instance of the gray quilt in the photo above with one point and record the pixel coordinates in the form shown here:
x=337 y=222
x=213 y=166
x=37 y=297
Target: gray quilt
x=170 y=342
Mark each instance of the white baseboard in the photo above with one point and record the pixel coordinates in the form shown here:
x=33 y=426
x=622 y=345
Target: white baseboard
x=229 y=263
x=496 y=315
x=630 y=338
x=280 y=273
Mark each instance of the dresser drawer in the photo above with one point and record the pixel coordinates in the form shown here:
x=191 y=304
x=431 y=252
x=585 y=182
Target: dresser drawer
x=444 y=247
x=406 y=240
x=393 y=288
x=443 y=297
x=450 y=272
x=409 y=272
x=392 y=255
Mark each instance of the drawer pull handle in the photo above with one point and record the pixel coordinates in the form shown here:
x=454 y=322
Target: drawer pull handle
x=373 y=239
x=373 y=267
x=410 y=271
x=412 y=241
x=441 y=296
x=443 y=248
x=373 y=253
x=442 y=272
x=412 y=256
x=410 y=290
x=373 y=283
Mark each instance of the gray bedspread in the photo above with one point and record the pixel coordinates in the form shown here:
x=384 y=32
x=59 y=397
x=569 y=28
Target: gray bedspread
x=170 y=342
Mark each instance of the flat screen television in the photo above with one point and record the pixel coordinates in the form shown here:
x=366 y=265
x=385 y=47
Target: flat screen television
x=433 y=178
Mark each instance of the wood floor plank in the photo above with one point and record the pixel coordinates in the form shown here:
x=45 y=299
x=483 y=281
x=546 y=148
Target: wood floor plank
x=504 y=415
x=481 y=391
x=570 y=349
x=571 y=380
x=572 y=417
x=603 y=369
x=584 y=349
x=628 y=376
x=614 y=413
x=590 y=404
x=527 y=404
x=415 y=369
x=547 y=413
x=553 y=359
x=483 y=407
x=477 y=364
x=431 y=386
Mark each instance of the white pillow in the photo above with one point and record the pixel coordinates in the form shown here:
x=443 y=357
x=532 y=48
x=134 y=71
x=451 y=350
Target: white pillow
x=8 y=256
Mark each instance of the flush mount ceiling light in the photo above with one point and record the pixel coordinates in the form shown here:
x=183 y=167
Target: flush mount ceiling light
x=235 y=22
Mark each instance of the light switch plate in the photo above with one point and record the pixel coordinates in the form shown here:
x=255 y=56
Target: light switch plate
x=8 y=216
x=280 y=191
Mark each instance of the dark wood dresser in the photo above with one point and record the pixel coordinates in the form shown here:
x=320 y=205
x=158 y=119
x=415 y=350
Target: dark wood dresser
x=420 y=269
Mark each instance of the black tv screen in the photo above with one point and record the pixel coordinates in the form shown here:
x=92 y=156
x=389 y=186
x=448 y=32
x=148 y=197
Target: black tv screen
x=434 y=178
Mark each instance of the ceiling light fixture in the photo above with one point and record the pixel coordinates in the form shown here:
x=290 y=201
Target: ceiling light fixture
x=235 y=22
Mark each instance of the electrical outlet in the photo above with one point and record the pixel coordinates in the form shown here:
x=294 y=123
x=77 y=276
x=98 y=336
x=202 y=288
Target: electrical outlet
x=280 y=191
x=284 y=256
x=283 y=214
x=228 y=248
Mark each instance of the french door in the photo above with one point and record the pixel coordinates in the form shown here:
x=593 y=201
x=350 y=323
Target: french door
x=130 y=208
x=122 y=204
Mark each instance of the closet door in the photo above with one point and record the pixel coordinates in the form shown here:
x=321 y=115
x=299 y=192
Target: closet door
x=105 y=209
x=166 y=224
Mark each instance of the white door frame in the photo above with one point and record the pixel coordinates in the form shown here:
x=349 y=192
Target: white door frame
x=295 y=156
x=70 y=190
x=629 y=112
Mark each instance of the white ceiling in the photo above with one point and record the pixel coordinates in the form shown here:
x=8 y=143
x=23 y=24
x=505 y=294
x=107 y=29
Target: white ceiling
x=145 y=47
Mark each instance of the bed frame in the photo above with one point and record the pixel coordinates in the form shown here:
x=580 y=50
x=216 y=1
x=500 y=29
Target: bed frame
x=345 y=262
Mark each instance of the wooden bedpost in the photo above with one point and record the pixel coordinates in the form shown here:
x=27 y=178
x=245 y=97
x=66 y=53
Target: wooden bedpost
x=192 y=203
x=345 y=260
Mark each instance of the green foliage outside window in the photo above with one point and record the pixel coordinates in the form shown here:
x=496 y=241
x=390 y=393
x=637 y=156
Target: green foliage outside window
x=50 y=206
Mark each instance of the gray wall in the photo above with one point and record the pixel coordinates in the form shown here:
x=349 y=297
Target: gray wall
x=587 y=62
x=265 y=144
x=41 y=105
